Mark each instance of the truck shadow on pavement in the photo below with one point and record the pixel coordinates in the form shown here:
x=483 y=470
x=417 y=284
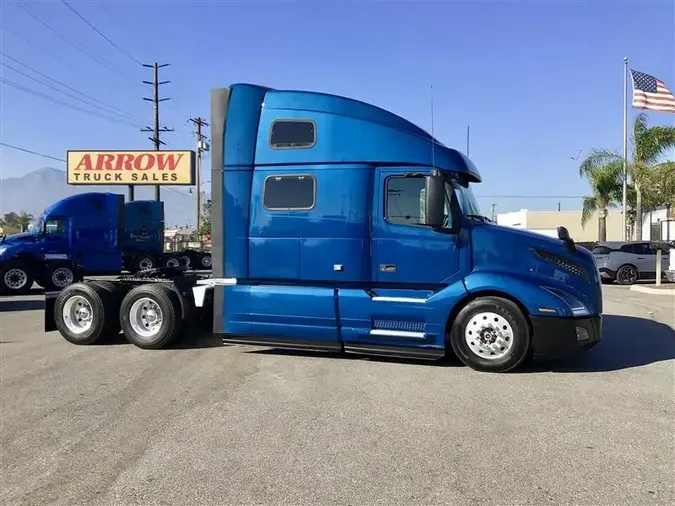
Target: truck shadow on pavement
x=627 y=342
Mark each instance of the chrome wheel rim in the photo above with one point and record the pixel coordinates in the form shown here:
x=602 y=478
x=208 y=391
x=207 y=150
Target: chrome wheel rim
x=15 y=279
x=489 y=335
x=145 y=318
x=186 y=260
x=172 y=262
x=78 y=314
x=206 y=261
x=62 y=277
x=145 y=263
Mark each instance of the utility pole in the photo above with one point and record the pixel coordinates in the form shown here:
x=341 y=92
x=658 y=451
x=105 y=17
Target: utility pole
x=494 y=215
x=155 y=83
x=199 y=122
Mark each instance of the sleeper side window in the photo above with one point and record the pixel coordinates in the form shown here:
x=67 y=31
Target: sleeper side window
x=289 y=193
x=292 y=134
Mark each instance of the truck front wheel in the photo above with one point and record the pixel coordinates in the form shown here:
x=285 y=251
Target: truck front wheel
x=150 y=316
x=16 y=278
x=491 y=334
x=86 y=313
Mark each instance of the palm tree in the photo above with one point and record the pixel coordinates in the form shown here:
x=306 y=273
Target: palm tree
x=23 y=220
x=606 y=185
x=645 y=168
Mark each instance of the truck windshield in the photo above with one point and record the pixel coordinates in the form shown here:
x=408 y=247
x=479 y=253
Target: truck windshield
x=467 y=200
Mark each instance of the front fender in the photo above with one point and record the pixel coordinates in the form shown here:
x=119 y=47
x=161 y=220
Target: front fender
x=534 y=298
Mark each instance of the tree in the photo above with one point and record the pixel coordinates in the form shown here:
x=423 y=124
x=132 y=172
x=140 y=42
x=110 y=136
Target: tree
x=17 y=221
x=205 y=222
x=651 y=178
x=606 y=185
x=24 y=220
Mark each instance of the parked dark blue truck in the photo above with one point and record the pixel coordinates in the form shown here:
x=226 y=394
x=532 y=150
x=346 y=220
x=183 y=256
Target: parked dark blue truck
x=88 y=234
x=341 y=227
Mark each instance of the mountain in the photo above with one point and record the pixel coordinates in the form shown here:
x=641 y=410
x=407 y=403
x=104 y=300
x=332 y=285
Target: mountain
x=36 y=190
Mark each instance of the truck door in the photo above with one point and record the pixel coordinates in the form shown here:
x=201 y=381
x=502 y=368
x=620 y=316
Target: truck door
x=405 y=252
x=55 y=239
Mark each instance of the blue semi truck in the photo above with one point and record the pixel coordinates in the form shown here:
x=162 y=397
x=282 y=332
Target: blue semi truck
x=338 y=226
x=89 y=234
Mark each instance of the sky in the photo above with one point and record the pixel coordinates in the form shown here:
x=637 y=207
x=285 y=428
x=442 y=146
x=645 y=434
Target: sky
x=540 y=83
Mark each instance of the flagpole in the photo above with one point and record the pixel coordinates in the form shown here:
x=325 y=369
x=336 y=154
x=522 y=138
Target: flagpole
x=625 y=147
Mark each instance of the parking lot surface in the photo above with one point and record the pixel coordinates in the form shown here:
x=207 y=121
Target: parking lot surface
x=206 y=424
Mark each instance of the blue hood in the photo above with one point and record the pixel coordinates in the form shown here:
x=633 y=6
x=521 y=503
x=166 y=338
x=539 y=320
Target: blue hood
x=542 y=260
x=18 y=238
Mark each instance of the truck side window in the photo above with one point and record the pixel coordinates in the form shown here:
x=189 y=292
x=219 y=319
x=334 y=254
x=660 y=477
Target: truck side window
x=288 y=193
x=55 y=226
x=404 y=201
x=292 y=134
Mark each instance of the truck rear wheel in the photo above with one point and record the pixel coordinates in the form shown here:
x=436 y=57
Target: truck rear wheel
x=86 y=313
x=150 y=316
x=143 y=263
x=205 y=261
x=60 y=275
x=16 y=278
x=491 y=334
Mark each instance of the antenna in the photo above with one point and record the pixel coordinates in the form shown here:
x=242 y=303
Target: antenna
x=433 y=136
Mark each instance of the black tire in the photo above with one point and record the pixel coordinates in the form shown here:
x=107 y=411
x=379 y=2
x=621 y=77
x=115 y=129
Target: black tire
x=59 y=275
x=16 y=278
x=115 y=294
x=144 y=263
x=103 y=310
x=171 y=323
x=492 y=311
x=205 y=261
x=627 y=275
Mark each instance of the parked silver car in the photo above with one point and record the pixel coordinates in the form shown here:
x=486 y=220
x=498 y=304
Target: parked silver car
x=627 y=262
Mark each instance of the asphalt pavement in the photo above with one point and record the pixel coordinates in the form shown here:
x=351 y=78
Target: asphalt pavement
x=210 y=425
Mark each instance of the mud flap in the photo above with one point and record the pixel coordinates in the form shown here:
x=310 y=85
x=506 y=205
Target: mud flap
x=50 y=322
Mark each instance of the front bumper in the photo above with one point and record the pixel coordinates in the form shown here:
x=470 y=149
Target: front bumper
x=555 y=337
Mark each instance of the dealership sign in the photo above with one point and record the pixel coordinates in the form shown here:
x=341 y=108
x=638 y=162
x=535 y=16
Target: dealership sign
x=131 y=167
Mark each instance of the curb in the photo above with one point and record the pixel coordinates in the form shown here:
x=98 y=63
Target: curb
x=653 y=291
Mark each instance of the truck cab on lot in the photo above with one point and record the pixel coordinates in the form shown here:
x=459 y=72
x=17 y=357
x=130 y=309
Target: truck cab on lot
x=339 y=226
x=85 y=234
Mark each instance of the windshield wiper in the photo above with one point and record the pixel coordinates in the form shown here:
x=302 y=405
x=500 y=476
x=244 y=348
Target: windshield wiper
x=478 y=217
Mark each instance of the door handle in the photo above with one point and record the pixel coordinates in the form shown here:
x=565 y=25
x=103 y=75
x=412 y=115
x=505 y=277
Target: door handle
x=387 y=268
x=640 y=258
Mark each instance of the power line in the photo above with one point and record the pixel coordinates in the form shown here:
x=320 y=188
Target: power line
x=122 y=113
x=97 y=31
x=31 y=152
x=97 y=59
x=64 y=104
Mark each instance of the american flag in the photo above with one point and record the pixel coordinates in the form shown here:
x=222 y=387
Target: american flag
x=651 y=94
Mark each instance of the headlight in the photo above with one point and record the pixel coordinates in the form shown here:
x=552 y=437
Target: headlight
x=2 y=250
x=576 y=306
